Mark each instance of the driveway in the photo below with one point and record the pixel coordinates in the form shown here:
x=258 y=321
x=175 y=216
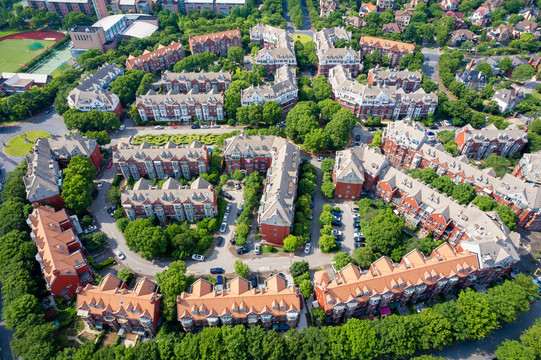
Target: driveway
x=306 y=24
x=430 y=66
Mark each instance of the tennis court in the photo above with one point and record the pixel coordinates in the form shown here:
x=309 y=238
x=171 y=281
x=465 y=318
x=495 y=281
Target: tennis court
x=14 y=53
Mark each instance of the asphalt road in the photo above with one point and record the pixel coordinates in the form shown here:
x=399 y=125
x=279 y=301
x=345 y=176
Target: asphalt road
x=430 y=66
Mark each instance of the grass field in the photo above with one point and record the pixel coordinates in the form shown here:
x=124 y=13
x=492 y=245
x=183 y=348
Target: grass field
x=17 y=146
x=14 y=53
x=302 y=38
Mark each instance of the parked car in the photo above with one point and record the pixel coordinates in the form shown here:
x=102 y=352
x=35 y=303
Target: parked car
x=336 y=223
x=320 y=158
x=111 y=210
x=220 y=279
x=356 y=216
x=122 y=127
x=90 y=230
x=337 y=218
x=48 y=110
x=198 y=257
x=356 y=225
x=447 y=123
x=223 y=227
x=433 y=127
x=338 y=237
x=158 y=127
x=215 y=126
x=228 y=207
x=94 y=194
x=227 y=196
x=311 y=216
x=248 y=128
x=338 y=243
x=357 y=239
x=205 y=127
x=358 y=244
x=358 y=138
x=430 y=133
x=242 y=250
x=226 y=216
x=336 y=232
x=336 y=212
x=220 y=241
x=257 y=249
x=195 y=126
x=109 y=164
x=233 y=241
x=307 y=248
x=253 y=281
x=120 y=255
x=217 y=270
x=237 y=186
x=100 y=183
x=355 y=210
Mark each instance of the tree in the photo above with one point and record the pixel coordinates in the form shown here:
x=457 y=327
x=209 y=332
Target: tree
x=341 y=259
x=327 y=243
x=13 y=215
x=237 y=175
x=514 y=350
x=126 y=86
x=498 y=163
x=125 y=274
x=272 y=113
x=523 y=72
x=507 y=216
x=444 y=185
x=235 y=54
x=172 y=283
x=532 y=338
x=326 y=217
x=22 y=313
x=385 y=232
x=480 y=319
x=16 y=22
x=242 y=269
x=363 y=256
x=306 y=288
x=113 y=195
x=505 y=65
x=328 y=108
x=301 y=120
x=327 y=165
x=485 y=203
x=306 y=187
x=37 y=342
x=464 y=193
x=75 y=18
x=338 y=134
x=485 y=68
x=291 y=243
x=78 y=183
x=376 y=140
x=196 y=62
x=142 y=235
x=322 y=89
x=298 y=268
x=316 y=140
x=327 y=189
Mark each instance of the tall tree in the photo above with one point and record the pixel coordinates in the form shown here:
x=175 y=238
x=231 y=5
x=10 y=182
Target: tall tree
x=480 y=319
x=385 y=232
x=78 y=183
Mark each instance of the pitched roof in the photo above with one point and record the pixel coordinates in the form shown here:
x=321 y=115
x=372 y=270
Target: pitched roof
x=285 y=82
x=214 y=36
x=351 y=164
x=124 y=151
x=387 y=44
x=159 y=52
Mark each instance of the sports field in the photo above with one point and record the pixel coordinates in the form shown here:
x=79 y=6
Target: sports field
x=14 y=53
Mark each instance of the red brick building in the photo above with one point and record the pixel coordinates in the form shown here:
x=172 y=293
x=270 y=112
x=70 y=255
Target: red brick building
x=172 y=201
x=401 y=140
x=194 y=82
x=393 y=49
x=330 y=56
x=160 y=59
x=111 y=304
x=277 y=47
x=529 y=168
x=216 y=43
x=60 y=253
x=409 y=81
x=481 y=143
x=16 y=83
x=357 y=170
x=160 y=162
x=64 y=7
x=207 y=305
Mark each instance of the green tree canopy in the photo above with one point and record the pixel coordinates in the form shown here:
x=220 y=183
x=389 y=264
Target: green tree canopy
x=385 y=232
x=241 y=269
x=78 y=183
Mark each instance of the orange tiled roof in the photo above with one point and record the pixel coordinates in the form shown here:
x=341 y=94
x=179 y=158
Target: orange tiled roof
x=387 y=44
x=52 y=242
x=159 y=52
x=369 y=6
x=214 y=36
x=384 y=276
x=275 y=298
x=112 y=295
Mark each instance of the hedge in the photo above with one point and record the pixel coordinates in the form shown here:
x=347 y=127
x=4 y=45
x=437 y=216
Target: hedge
x=179 y=139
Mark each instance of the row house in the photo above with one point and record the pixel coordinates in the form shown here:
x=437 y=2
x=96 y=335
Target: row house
x=330 y=56
x=198 y=5
x=111 y=304
x=480 y=143
x=17 y=83
x=93 y=93
x=415 y=278
x=160 y=162
x=196 y=82
x=60 y=253
x=401 y=140
x=173 y=201
x=477 y=231
x=403 y=17
x=393 y=49
x=173 y=106
x=64 y=7
x=133 y=6
x=172 y=5
x=385 y=102
x=280 y=160
x=357 y=170
x=160 y=59
x=529 y=168
x=43 y=179
x=284 y=91
x=472 y=79
x=217 y=43
x=277 y=47
x=273 y=306
x=225 y=6
x=410 y=81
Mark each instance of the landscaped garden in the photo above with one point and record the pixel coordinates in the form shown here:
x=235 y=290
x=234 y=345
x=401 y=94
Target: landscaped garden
x=22 y=144
x=179 y=139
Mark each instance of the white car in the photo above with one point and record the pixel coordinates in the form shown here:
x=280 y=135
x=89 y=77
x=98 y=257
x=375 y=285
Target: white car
x=122 y=127
x=120 y=255
x=320 y=158
x=307 y=248
x=204 y=126
x=237 y=186
x=356 y=215
x=257 y=249
x=197 y=257
x=158 y=127
x=226 y=216
x=100 y=183
x=90 y=230
x=223 y=227
x=336 y=232
x=228 y=208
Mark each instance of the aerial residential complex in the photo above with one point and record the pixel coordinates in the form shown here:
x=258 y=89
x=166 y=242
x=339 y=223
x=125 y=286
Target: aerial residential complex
x=60 y=253
x=124 y=310
x=216 y=43
x=409 y=81
x=160 y=59
x=194 y=82
x=386 y=102
x=277 y=47
x=274 y=305
x=43 y=179
x=329 y=56
x=479 y=144
x=393 y=49
x=64 y=7
x=92 y=92
x=529 y=168
x=160 y=162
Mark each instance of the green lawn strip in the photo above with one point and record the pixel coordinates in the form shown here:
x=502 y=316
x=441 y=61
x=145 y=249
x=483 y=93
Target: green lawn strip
x=18 y=146
x=179 y=139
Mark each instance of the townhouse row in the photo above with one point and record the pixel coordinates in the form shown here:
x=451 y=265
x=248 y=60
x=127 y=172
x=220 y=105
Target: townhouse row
x=277 y=47
x=330 y=56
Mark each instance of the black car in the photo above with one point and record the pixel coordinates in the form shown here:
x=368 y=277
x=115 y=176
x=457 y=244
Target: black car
x=220 y=241
x=217 y=271
x=195 y=126
x=372 y=129
x=358 y=244
x=227 y=196
x=358 y=138
x=356 y=225
x=358 y=239
x=94 y=194
x=248 y=128
x=233 y=241
x=336 y=223
x=253 y=281
x=242 y=250
x=338 y=237
x=433 y=127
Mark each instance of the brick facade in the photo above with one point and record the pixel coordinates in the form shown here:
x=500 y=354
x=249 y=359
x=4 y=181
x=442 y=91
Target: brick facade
x=216 y=43
x=160 y=59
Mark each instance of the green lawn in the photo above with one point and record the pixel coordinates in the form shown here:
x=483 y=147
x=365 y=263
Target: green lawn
x=302 y=38
x=179 y=139
x=14 y=53
x=18 y=146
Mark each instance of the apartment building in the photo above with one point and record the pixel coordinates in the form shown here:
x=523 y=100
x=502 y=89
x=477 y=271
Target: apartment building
x=284 y=91
x=216 y=43
x=92 y=92
x=195 y=82
x=225 y=6
x=409 y=81
x=415 y=278
x=17 y=83
x=403 y=17
x=60 y=253
x=329 y=56
x=401 y=140
x=393 y=49
x=385 y=102
x=172 y=5
x=280 y=160
x=273 y=305
x=480 y=143
x=160 y=59
x=43 y=179
x=160 y=162
x=64 y=7
x=529 y=168
x=277 y=47
x=173 y=106
x=172 y=201
x=123 y=310
x=357 y=170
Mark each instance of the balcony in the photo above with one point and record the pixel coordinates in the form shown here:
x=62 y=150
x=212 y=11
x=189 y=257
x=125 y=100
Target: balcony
x=292 y=316
x=186 y=322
